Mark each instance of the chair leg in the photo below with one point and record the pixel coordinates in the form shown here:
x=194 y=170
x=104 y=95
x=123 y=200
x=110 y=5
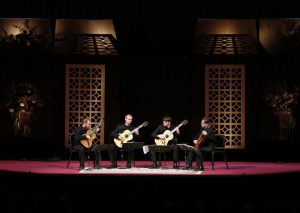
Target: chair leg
x=213 y=160
x=69 y=159
x=100 y=158
x=133 y=158
x=225 y=159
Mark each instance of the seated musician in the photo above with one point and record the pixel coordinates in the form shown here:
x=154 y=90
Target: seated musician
x=80 y=135
x=204 y=142
x=158 y=134
x=118 y=136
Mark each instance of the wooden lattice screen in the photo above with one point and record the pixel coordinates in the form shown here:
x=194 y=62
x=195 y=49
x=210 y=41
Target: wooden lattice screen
x=85 y=97
x=225 y=102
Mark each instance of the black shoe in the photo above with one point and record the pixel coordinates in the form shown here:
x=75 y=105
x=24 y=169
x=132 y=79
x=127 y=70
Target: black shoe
x=81 y=168
x=154 y=165
x=199 y=169
x=128 y=165
x=175 y=166
x=97 y=167
x=113 y=165
x=188 y=167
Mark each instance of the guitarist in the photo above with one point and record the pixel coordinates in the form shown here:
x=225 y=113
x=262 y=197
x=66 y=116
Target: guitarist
x=158 y=134
x=80 y=134
x=208 y=141
x=116 y=133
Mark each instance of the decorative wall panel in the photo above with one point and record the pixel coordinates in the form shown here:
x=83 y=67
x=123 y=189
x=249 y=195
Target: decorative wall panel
x=85 y=97
x=225 y=102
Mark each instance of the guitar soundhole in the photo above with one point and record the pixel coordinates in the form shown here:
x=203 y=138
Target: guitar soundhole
x=126 y=136
x=167 y=136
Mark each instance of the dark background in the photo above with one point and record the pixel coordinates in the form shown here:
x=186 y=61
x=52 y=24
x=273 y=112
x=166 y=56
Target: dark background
x=154 y=75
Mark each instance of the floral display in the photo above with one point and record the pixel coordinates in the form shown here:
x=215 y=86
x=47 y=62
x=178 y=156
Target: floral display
x=282 y=97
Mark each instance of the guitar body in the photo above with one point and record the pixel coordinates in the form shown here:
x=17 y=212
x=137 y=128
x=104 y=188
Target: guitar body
x=126 y=136
x=168 y=135
x=200 y=141
x=88 y=142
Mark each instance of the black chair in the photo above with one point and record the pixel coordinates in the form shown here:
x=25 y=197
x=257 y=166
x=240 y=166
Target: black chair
x=71 y=150
x=127 y=147
x=219 y=148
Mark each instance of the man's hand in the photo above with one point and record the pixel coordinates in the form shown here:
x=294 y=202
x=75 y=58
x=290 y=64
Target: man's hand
x=120 y=137
x=204 y=132
x=195 y=141
x=161 y=136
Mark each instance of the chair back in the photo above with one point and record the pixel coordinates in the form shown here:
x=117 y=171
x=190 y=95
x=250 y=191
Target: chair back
x=220 y=141
x=71 y=138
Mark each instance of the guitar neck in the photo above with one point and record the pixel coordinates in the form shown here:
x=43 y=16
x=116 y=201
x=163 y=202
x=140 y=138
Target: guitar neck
x=175 y=129
x=136 y=129
x=95 y=128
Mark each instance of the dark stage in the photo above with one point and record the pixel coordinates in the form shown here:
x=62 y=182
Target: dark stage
x=40 y=186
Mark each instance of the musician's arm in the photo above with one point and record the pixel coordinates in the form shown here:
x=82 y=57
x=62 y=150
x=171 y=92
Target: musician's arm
x=79 y=135
x=115 y=133
x=136 y=136
x=137 y=132
x=155 y=132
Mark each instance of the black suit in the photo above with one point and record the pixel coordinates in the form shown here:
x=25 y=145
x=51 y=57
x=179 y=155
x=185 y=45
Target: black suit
x=206 y=146
x=113 y=147
x=80 y=135
x=160 y=130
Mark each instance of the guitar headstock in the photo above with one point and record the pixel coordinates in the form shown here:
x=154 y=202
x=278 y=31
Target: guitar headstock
x=144 y=123
x=184 y=122
x=99 y=124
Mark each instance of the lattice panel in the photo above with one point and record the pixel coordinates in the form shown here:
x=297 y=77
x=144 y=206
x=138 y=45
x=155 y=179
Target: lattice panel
x=225 y=102
x=85 y=44
x=85 y=97
x=230 y=44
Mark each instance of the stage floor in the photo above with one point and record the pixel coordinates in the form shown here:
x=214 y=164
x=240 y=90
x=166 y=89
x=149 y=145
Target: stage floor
x=42 y=186
x=142 y=168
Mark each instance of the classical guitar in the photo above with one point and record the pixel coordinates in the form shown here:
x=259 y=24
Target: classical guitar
x=128 y=135
x=87 y=143
x=200 y=140
x=168 y=135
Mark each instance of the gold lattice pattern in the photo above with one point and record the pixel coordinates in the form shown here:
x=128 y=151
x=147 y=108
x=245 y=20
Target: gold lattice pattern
x=85 y=44
x=225 y=102
x=225 y=45
x=85 y=92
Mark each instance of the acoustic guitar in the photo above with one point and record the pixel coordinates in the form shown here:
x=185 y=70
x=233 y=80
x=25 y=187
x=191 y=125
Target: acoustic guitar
x=87 y=143
x=200 y=140
x=128 y=135
x=168 y=135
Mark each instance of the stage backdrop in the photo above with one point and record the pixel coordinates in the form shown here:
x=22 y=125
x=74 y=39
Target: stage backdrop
x=85 y=97
x=225 y=102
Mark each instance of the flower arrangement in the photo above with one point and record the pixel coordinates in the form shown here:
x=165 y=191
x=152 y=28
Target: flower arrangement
x=24 y=96
x=27 y=37
x=22 y=100
x=282 y=97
